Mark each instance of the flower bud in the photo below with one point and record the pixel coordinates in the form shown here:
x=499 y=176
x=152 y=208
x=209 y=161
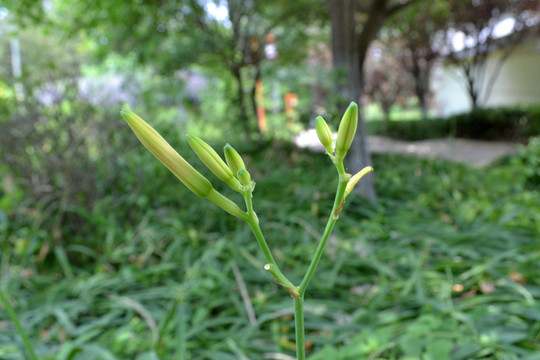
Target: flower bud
x=346 y=131
x=244 y=177
x=324 y=134
x=213 y=161
x=354 y=180
x=161 y=149
x=234 y=160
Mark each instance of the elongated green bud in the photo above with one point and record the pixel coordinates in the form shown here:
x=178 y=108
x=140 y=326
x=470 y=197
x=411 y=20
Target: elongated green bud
x=346 y=131
x=356 y=178
x=234 y=160
x=213 y=161
x=324 y=134
x=164 y=152
x=244 y=177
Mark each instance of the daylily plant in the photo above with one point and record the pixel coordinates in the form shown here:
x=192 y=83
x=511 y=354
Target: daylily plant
x=233 y=172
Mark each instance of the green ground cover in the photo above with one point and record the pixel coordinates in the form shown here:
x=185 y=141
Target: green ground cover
x=443 y=266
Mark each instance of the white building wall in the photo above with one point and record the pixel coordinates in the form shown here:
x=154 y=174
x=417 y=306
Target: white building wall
x=517 y=83
x=519 y=79
x=449 y=91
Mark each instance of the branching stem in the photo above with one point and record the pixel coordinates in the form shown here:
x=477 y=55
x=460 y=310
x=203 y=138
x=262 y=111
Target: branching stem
x=332 y=219
x=298 y=292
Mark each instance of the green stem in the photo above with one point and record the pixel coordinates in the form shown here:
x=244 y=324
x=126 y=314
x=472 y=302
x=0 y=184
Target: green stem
x=299 y=328
x=339 y=166
x=336 y=209
x=253 y=224
x=271 y=265
x=18 y=326
x=332 y=219
x=298 y=292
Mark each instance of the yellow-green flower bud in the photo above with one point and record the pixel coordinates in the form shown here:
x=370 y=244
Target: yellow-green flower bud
x=354 y=180
x=244 y=177
x=346 y=131
x=164 y=152
x=213 y=161
x=324 y=134
x=234 y=160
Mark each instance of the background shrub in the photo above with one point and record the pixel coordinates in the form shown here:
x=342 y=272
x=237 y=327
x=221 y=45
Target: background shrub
x=529 y=158
x=504 y=124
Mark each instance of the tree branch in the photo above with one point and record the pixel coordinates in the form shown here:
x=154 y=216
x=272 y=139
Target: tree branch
x=361 y=5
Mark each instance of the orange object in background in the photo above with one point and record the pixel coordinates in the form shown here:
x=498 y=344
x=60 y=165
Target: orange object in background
x=291 y=100
x=261 y=114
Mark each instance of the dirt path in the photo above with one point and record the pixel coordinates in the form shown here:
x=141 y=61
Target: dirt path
x=473 y=152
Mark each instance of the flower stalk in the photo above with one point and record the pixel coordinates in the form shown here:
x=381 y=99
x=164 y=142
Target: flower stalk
x=233 y=172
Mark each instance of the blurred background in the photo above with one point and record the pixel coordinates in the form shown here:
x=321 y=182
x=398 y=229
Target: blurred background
x=105 y=255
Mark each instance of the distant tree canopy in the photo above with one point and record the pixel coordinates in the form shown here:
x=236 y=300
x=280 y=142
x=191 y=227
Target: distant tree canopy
x=25 y=11
x=225 y=37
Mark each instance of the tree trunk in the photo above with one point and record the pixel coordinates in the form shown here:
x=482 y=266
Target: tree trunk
x=345 y=57
x=349 y=50
x=420 y=90
x=472 y=84
x=421 y=80
x=348 y=61
x=386 y=111
x=422 y=103
x=253 y=99
x=240 y=101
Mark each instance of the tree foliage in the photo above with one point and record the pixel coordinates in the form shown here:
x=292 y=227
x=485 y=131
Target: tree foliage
x=26 y=12
x=173 y=35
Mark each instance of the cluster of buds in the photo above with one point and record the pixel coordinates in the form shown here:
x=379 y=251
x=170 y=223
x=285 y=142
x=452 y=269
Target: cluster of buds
x=345 y=136
x=232 y=172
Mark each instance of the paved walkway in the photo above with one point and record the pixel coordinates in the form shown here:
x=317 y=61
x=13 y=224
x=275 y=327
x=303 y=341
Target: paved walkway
x=473 y=152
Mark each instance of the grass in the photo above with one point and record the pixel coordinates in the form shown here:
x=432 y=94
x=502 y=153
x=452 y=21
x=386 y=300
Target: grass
x=443 y=266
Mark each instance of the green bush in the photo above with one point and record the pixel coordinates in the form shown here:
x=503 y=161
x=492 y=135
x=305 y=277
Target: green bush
x=505 y=124
x=411 y=130
x=59 y=161
x=529 y=158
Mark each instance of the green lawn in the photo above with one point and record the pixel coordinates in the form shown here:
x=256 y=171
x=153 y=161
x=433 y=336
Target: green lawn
x=443 y=266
